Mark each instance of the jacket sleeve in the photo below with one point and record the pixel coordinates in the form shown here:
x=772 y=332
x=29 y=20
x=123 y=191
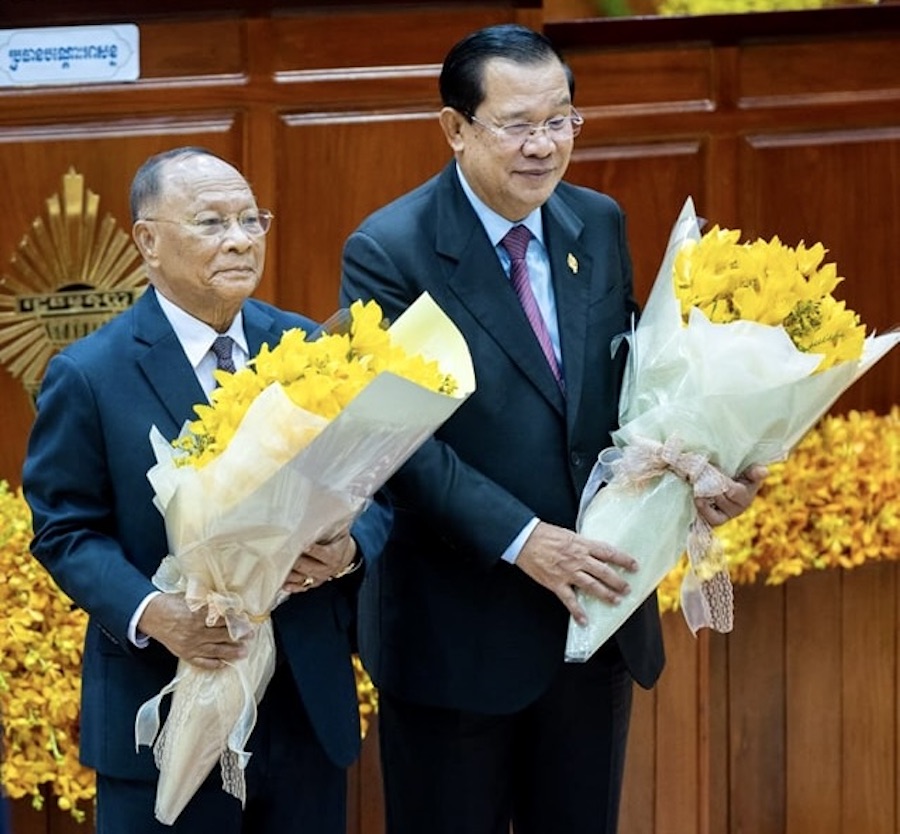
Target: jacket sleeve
x=68 y=486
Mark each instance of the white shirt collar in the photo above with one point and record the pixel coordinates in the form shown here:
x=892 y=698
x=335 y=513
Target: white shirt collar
x=495 y=224
x=195 y=336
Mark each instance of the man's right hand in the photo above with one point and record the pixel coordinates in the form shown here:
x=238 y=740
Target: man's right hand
x=563 y=561
x=168 y=620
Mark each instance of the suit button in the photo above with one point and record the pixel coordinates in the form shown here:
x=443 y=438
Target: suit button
x=576 y=459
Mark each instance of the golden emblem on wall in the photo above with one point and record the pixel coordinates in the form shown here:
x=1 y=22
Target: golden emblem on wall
x=70 y=274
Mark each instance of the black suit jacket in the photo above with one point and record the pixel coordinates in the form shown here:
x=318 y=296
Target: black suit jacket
x=443 y=620
x=100 y=536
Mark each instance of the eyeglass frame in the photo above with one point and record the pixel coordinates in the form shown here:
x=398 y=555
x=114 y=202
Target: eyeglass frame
x=574 y=119
x=264 y=216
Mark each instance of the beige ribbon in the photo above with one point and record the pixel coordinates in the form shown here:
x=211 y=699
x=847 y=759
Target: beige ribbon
x=227 y=606
x=707 y=597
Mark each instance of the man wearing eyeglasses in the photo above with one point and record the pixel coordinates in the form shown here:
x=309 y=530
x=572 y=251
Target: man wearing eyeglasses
x=464 y=616
x=202 y=237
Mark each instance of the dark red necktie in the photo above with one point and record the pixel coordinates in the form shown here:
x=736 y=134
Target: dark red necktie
x=516 y=244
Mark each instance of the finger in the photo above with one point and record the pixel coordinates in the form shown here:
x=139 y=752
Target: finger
x=610 y=578
x=313 y=558
x=710 y=511
x=222 y=651
x=608 y=585
x=610 y=556
x=569 y=598
x=755 y=474
x=208 y=663
x=299 y=584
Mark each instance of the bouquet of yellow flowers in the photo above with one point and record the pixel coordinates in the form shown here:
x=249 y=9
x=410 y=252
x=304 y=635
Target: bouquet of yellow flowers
x=739 y=351
x=291 y=449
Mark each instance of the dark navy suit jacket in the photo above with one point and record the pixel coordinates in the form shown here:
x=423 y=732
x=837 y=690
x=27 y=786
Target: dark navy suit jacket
x=443 y=620
x=100 y=536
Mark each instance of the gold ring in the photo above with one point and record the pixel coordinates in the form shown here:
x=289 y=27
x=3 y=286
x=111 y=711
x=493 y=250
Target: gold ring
x=307 y=583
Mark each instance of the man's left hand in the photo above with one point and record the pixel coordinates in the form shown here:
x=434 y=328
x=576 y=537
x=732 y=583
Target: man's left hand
x=323 y=561
x=735 y=499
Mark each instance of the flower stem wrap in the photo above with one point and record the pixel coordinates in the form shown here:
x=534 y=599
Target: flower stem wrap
x=707 y=597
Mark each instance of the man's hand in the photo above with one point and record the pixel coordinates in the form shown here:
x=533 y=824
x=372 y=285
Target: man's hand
x=325 y=560
x=168 y=620
x=733 y=501
x=562 y=561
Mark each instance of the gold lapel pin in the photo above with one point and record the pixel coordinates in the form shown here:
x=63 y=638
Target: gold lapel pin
x=572 y=262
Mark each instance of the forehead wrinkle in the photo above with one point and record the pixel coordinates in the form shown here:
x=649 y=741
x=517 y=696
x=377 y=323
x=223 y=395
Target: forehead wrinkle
x=522 y=106
x=207 y=185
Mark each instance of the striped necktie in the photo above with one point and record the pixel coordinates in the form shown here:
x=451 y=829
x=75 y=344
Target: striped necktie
x=516 y=243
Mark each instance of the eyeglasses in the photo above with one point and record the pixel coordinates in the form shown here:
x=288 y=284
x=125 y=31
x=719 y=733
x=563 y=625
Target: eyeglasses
x=559 y=129
x=253 y=222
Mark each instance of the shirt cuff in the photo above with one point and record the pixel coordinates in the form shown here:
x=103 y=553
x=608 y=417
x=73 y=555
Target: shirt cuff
x=512 y=552
x=140 y=640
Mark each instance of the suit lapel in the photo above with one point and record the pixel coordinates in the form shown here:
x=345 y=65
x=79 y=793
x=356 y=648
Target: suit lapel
x=571 y=268
x=259 y=328
x=163 y=361
x=478 y=281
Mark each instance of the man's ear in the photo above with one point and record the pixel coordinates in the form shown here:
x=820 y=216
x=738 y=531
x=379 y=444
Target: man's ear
x=452 y=122
x=145 y=239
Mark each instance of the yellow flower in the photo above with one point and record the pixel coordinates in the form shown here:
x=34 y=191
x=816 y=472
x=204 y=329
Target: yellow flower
x=40 y=672
x=366 y=696
x=769 y=283
x=700 y=7
x=321 y=376
x=834 y=503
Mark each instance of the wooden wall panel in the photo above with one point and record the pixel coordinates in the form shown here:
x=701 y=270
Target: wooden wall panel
x=756 y=712
x=639 y=804
x=869 y=699
x=359 y=40
x=770 y=75
x=679 y=788
x=643 y=81
x=651 y=181
x=335 y=169
x=813 y=703
x=207 y=52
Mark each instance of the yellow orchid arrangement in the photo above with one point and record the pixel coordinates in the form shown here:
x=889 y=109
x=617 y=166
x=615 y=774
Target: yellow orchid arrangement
x=835 y=503
x=770 y=283
x=40 y=671
x=321 y=376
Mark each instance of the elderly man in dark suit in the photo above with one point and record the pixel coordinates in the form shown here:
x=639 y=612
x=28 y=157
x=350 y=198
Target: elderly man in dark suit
x=464 y=617
x=202 y=237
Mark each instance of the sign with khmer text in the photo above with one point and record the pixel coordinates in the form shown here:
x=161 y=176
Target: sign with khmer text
x=69 y=55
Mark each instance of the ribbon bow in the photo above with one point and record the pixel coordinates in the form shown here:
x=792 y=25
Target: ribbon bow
x=707 y=596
